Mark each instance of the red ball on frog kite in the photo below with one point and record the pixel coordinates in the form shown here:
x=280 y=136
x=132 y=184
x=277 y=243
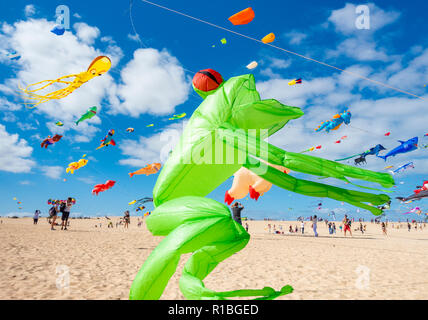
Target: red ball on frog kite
x=103 y=187
x=206 y=80
x=50 y=140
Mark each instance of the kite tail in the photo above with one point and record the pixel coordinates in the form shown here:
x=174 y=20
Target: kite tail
x=383 y=157
x=131 y=174
x=195 y=225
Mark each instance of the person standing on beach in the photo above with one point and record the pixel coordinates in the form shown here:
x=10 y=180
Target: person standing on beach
x=236 y=211
x=36 y=216
x=384 y=228
x=314 y=225
x=408 y=225
x=127 y=219
x=66 y=208
x=302 y=227
x=346 y=225
x=246 y=226
x=53 y=212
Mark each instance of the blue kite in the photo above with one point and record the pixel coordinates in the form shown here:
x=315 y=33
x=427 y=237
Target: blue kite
x=404 y=147
x=336 y=122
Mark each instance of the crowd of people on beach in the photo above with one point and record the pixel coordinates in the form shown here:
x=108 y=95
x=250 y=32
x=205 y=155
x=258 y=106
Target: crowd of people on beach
x=345 y=226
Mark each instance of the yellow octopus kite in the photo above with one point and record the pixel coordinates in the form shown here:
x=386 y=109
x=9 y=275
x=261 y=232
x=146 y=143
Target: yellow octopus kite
x=98 y=67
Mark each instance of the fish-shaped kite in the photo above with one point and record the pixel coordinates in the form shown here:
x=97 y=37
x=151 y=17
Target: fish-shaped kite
x=415 y=196
x=98 y=67
x=48 y=141
x=147 y=170
x=107 y=140
x=92 y=111
x=177 y=116
x=404 y=147
x=295 y=81
x=242 y=17
x=103 y=187
x=76 y=165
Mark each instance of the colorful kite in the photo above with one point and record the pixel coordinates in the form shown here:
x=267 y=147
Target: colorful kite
x=13 y=55
x=245 y=181
x=150 y=125
x=404 y=147
x=416 y=210
x=191 y=223
x=92 y=111
x=295 y=81
x=59 y=123
x=387 y=134
x=130 y=130
x=103 y=187
x=336 y=122
x=177 y=116
x=50 y=140
x=76 y=165
x=252 y=65
x=98 y=67
x=312 y=149
x=268 y=38
x=58 y=30
x=403 y=167
x=108 y=140
x=372 y=151
x=242 y=17
x=147 y=170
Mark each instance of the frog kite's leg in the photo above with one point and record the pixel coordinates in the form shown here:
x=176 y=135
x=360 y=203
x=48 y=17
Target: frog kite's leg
x=199 y=225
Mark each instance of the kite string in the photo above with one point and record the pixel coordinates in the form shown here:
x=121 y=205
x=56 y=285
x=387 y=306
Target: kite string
x=285 y=50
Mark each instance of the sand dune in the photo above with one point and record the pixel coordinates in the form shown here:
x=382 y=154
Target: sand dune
x=101 y=262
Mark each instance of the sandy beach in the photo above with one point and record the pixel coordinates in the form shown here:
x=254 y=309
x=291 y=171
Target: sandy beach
x=101 y=263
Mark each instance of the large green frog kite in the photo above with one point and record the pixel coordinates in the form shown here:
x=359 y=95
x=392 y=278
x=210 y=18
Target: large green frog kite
x=226 y=132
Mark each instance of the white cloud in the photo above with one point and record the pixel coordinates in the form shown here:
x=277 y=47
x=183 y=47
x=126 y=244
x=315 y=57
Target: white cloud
x=37 y=46
x=53 y=172
x=29 y=10
x=152 y=82
x=86 y=33
x=25 y=182
x=151 y=149
x=14 y=153
x=87 y=180
x=344 y=19
x=296 y=37
x=77 y=16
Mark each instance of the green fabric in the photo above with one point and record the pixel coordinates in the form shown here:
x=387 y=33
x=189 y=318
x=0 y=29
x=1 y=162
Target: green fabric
x=226 y=132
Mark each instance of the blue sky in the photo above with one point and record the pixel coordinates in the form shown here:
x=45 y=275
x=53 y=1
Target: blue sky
x=150 y=82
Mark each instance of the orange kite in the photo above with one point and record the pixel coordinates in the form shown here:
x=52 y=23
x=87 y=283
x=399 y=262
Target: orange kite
x=242 y=17
x=149 y=169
